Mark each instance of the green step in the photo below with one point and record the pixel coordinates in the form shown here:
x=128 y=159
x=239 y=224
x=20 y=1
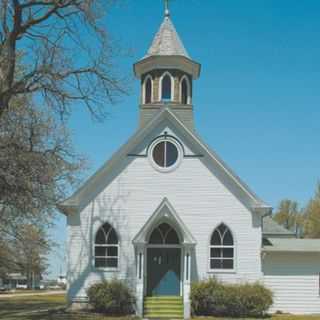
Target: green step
x=164 y=298
x=162 y=310
x=160 y=303
x=164 y=307
x=151 y=314
x=157 y=307
x=163 y=316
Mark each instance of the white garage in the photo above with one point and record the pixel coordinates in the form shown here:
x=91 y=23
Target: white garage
x=291 y=270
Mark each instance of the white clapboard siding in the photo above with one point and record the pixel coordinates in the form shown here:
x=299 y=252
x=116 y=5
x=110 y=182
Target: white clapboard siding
x=295 y=294
x=294 y=280
x=127 y=201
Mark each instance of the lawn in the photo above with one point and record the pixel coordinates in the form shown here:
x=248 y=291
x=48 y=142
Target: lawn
x=35 y=308
x=20 y=307
x=274 y=317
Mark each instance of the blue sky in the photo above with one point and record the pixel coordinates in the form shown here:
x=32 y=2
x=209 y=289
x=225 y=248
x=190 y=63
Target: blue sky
x=257 y=102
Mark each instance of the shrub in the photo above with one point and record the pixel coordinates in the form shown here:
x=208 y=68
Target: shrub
x=214 y=298
x=111 y=297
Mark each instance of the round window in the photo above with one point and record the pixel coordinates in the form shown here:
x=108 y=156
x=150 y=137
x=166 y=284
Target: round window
x=165 y=154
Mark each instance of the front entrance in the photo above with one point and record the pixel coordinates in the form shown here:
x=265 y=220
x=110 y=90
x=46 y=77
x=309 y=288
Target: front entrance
x=163 y=271
x=164 y=248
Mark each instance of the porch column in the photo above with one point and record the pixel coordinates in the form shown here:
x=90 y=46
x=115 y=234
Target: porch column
x=187 y=282
x=140 y=250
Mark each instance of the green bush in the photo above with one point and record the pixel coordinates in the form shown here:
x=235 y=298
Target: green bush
x=111 y=297
x=214 y=298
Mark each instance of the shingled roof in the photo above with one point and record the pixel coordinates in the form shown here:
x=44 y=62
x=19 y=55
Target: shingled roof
x=272 y=228
x=167 y=41
x=292 y=245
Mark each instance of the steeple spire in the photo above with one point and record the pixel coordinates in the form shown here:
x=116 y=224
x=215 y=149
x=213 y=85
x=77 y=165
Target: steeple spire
x=166 y=8
x=167 y=41
x=167 y=51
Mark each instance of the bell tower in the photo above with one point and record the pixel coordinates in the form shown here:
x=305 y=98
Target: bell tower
x=166 y=73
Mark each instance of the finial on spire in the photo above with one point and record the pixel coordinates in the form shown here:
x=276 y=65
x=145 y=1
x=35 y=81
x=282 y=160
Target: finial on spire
x=166 y=8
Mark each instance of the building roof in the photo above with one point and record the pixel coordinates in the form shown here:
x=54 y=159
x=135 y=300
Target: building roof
x=167 y=41
x=292 y=245
x=167 y=52
x=98 y=180
x=272 y=228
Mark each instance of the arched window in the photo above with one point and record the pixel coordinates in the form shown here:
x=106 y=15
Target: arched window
x=106 y=248
x=164 y=234
x=222 y=248
x=148 y=90
x=185 y=91
x=166 y=88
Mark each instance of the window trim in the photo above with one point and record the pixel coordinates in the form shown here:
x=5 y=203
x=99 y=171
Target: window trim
x=172 y=86
x=144 y=89
x=213 y=270
x=106 y=269
x=189 y=99
x=179 y=158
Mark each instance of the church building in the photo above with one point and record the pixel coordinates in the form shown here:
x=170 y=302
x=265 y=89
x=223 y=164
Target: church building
x=165 y=211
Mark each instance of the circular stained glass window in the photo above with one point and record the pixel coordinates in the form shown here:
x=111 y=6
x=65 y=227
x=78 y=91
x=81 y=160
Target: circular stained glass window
x=165 y=154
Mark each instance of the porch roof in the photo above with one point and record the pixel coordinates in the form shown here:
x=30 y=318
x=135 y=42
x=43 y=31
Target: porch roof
x=164 y=213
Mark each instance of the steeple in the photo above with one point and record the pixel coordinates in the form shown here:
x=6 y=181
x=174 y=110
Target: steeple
x=167 y=72
x=167 y=41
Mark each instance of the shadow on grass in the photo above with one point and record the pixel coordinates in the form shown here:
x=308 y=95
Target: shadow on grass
x=62 y=315
x=12 y=308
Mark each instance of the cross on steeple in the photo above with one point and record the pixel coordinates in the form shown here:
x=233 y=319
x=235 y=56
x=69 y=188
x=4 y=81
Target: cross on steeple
x=166 y=8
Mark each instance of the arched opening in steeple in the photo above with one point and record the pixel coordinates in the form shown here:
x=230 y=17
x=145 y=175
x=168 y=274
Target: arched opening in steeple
x=147 y=90
x=185 y=91
x=166 y=87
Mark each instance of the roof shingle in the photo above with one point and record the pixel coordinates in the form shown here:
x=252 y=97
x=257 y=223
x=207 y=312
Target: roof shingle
x=167 y=41
x=271 y=227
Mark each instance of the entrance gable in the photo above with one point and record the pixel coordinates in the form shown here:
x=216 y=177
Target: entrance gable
x=165 y=213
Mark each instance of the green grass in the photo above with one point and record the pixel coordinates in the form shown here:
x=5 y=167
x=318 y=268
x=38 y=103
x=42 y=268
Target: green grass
x=19 y=307
x=31 y=308
x=25 y=291
x=274 y=317
x=23 y=308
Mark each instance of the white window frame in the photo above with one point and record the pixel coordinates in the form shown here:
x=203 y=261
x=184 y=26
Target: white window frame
x=221 y=270
x=189 y=100
x=179 y=159
x=144 y=89
x=106 y=246
x=172 y=86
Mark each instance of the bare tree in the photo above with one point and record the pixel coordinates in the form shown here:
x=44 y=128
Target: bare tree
x=37 y=163
x=25 y=250
x=65 y=52
x=38 y=167
x=288 y=214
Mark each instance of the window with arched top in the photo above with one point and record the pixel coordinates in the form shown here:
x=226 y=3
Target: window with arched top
x=148 y=90
x=106 y=247
x=222 y=249
x=185 y=91
x=164 y=234
x=166 y=88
